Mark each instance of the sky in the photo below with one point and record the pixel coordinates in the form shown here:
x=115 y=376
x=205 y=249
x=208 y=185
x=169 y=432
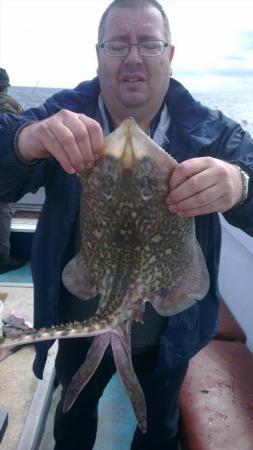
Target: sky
x=51 y=43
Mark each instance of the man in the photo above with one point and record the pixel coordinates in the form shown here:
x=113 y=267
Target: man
x=7 y=263
x=49 y=145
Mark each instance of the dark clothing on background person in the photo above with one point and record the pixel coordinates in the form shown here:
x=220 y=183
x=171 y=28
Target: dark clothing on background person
x=7 y=263
x=9 y=104
x=5 y=231
x=194 y=131
x=5 y=226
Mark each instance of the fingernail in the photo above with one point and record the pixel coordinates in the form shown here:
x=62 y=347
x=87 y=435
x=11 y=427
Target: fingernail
x=172 y=208
x=80 y=167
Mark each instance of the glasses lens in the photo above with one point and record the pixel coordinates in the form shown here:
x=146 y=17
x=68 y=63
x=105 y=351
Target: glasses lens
x=115 y=48
x=151 y=48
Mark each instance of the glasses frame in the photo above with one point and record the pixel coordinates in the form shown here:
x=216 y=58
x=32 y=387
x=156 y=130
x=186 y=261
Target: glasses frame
x=138 y=44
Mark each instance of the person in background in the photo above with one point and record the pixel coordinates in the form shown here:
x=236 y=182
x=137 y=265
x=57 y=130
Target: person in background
x=50 y=144
x=7 y=262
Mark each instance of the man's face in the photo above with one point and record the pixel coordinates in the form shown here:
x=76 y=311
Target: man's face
x=134 y=84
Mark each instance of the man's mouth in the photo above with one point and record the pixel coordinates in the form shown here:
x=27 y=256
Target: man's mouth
x=132 y=78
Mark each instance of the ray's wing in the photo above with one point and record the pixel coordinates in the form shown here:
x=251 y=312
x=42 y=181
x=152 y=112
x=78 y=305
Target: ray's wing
x=190 y=286
x=87 y=369
x=76 y=279
x=120 y=342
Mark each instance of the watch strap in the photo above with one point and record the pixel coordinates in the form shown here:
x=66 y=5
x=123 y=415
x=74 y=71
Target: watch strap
x=245 y=178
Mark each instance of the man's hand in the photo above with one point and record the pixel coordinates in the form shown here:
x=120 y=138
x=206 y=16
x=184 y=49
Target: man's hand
x=75 y=140
x=202 y=186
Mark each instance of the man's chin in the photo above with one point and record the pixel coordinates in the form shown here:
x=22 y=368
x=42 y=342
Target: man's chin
x=133 y=101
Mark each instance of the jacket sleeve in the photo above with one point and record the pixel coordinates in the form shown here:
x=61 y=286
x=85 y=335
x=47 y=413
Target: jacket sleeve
x=236 y=145
x=18 y=177
x=225 y=139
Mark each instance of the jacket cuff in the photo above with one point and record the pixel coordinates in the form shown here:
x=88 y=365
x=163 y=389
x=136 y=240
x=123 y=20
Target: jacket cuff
x=20 y=158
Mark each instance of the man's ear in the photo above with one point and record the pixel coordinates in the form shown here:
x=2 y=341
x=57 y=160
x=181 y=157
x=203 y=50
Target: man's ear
x=97 y=52
x=171 y=52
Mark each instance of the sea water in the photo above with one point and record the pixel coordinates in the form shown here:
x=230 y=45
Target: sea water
x=236 y=105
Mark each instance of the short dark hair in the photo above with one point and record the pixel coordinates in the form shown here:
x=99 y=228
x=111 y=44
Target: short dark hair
x=134 y=4
x=4 y=79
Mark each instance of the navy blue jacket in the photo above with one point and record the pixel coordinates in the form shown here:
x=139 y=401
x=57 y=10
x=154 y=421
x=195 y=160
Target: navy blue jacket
x=195 y=131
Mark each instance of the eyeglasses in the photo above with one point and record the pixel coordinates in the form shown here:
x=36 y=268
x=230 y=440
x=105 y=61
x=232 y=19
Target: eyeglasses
x=146 y=48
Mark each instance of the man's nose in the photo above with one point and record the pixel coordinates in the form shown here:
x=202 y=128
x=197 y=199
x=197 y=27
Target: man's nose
x=133 y=54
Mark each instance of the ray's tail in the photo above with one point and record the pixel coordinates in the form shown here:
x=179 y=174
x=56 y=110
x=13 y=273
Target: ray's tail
x=101 y=322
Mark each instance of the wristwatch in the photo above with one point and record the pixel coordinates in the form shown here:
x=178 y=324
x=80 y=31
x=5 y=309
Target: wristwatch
x=245 y=184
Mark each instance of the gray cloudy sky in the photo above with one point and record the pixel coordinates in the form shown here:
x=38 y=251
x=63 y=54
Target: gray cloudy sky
x=52 y=42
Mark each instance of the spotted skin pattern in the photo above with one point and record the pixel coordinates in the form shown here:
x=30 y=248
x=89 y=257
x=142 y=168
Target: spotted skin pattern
x=133 y=250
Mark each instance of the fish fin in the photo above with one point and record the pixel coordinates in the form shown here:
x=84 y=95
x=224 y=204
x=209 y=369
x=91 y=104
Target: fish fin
x=87 y=369
x=191 y=286
x=76 y=279
x=120 y=342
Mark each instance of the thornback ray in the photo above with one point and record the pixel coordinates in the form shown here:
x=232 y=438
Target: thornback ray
x=133 y=249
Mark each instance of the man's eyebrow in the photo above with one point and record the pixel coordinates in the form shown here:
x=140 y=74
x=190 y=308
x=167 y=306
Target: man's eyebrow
x=119 y=37
x=149 y=37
